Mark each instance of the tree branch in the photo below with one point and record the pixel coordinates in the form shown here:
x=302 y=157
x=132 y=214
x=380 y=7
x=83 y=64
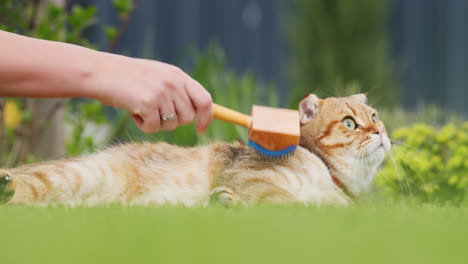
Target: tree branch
x=57 y=106
x=3 y=139
x=34 y=15
x=123 y=26
x=4 y=20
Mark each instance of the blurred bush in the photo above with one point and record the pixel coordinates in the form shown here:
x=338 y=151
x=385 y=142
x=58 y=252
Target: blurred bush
x=335 y=43
x=87 y=127
x=428 y=164
x=432 y=115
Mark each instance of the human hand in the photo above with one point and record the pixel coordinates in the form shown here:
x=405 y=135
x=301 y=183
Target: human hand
x=158 y=95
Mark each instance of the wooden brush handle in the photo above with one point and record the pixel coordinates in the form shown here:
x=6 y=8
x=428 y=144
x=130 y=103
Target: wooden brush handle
x=231 y=116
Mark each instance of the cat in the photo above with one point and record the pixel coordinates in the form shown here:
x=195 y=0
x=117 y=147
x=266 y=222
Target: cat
x=342 y=145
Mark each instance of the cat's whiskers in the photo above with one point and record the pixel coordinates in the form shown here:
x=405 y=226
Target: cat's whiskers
x=372 y=162
x=375 y=98
x=402 y=144
x=408 y=156
x=407 y=153
x=370 y=92
x=404 y=180
x=401 y=178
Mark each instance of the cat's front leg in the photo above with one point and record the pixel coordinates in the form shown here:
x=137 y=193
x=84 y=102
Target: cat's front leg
x=224 y=196
x=6 y=187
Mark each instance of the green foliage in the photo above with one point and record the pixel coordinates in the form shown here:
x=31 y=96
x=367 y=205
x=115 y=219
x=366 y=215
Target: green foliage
x=431 y=115
x=429 y=164
x=53 y=22
x=227 y=89
x=14 y=15
x=123 y=7
x=335 y=43
x=54 y=27
x=79 y=19
x=79 y=116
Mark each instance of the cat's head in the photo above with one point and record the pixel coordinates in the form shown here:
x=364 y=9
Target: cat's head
x=347 y=135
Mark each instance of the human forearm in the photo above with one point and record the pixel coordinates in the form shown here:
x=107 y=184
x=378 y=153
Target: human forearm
x=152 y=91
x=38 y=68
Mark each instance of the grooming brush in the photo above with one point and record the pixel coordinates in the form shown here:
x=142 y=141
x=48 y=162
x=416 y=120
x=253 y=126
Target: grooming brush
x=273 y=132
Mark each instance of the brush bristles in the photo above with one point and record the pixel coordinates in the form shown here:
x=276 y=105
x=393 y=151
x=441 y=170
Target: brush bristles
x=270 y=154
x=265 y=158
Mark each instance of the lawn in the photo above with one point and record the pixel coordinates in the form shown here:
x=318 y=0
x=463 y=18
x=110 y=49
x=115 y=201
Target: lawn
x=266 y=234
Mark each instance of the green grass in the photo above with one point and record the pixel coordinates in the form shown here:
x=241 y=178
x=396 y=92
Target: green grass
x=358 y=234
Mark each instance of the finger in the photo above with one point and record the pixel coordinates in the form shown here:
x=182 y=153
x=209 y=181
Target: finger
x=150 y=122
x=167 y=110
x=201 y=101
x=137 y=119
x=184 y=108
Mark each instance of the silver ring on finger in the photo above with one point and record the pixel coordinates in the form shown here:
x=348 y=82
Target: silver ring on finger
x=168 y=117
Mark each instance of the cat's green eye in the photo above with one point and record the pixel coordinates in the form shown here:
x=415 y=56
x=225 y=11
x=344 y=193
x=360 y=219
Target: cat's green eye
x=374 y=118
x=349 y=123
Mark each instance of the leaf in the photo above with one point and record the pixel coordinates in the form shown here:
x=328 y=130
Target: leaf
x=81 y=18
x=123 y=7
x=110 y=32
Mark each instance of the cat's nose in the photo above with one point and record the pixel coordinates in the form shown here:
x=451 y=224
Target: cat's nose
x=377 y=130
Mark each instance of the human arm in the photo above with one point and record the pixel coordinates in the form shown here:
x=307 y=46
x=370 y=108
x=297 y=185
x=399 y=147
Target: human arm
x=148 y=89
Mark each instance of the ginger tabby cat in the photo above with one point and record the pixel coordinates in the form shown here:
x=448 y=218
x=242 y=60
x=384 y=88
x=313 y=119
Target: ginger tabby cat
x=342 y=145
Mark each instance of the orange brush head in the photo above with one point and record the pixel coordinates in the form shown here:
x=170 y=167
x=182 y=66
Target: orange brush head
x=274 y=129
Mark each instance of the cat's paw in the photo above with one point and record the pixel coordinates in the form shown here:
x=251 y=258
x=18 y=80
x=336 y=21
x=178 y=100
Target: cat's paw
x=223 y=196
x=6 y=187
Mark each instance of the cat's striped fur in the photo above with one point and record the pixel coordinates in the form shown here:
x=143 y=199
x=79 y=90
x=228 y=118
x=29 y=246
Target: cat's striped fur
x=159 y=173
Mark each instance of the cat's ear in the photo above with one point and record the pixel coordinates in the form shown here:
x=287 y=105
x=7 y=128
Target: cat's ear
x=362 y=97
x=308 y=108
